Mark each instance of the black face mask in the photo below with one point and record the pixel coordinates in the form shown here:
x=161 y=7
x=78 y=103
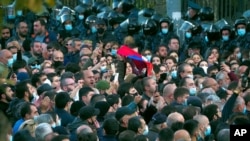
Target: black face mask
x=57 y=64
x=100 y=30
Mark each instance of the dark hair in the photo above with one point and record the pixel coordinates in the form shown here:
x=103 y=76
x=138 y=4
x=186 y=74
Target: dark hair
x=72 y=67
x=75 y=107
x=87 y=137
x=134 y=123
x=111 y=126
x=141 y=138
x=21 y=88
x=59 y=138
x=23 y=135
x=177 y=126
x=25 y=109
x=95 y=98
x=127 y=99
x=84 y=91
x=210 y=110
x=124 y=88
x=180 y=91
x=54 y=44
x=61 y=100
x=127 y=135
x=191 y=125
x=113 y=99
x=36 y=78
x=51 y=76
x=166 y=134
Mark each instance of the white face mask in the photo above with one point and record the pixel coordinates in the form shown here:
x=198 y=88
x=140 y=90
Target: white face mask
x=58 y=123
x=190 y=76
x=204 y=68
x=47 y=81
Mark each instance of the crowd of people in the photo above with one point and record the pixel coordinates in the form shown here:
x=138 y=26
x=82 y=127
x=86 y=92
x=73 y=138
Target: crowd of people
x=96 y=73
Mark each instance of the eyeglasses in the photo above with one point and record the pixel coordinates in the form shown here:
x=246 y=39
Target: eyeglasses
x=68 y=44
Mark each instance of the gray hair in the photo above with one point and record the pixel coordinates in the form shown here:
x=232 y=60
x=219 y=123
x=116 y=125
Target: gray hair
x=223 y=135
x=42 y=130
x=44 y=118
x=220 y=75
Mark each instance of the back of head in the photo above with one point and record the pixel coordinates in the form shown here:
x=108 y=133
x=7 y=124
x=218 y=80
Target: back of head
x=174 y=117
x=42 y=130
x=44 y=118
x=23 y=135
x=223 y=135
x=166 y=134
x=111 y=126
x=182 y=135
x=127 y=135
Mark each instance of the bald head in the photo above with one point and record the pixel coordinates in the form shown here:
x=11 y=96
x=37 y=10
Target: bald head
x=173 y=118
x=210 y=82
x=84 y=129
x=58 y=56
x=5 y=55
x=182 y=135
x=168 y=92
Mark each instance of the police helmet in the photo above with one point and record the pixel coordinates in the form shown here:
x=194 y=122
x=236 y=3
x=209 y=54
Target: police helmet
x=169 y=21
x=126 y=5
x=115 y=18
x=147 y=12
x=239 y=21
x=206 y=14
x=133 y=26
x=149 y=27
x=91 y=19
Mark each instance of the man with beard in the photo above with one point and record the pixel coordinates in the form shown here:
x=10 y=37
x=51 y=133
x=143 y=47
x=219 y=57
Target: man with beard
x=6 y=96
x=41 y=33
x=36 y=51
x=24 y=93
x=21 y=32
x=5 y=35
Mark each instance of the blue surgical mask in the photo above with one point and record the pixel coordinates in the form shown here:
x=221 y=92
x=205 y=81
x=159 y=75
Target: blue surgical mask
x=53 y=125
x=19 y=13
x=238 y=55
x=10 y=62
x=36 y=67
x=185 y=103
x=148 y=57
x=241 y=32
x=58 y=18
x=192 y=91
x=188 y=35
x=103 y=68
x=93 y=29
x=164 y=30
x=68 y=27
x=244 y=110
x=81 y=17
x=113 y=52
x=11 y=16
x=206 y=39
x=146 y=131
x=225 y=38
x=208 y=131
x=174 y=74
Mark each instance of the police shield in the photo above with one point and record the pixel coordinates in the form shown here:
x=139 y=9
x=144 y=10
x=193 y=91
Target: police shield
x=66 y=17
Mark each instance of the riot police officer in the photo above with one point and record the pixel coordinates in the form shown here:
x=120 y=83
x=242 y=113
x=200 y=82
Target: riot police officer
x=242 y=37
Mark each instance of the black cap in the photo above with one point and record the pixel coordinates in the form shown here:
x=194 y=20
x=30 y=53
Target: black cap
x=159 y=118
x=43 y=88
x=87 y=112
x=193 y=5
x=121 y=112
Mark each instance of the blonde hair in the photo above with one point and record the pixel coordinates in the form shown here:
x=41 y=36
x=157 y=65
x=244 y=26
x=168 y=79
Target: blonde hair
x=29 y=125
